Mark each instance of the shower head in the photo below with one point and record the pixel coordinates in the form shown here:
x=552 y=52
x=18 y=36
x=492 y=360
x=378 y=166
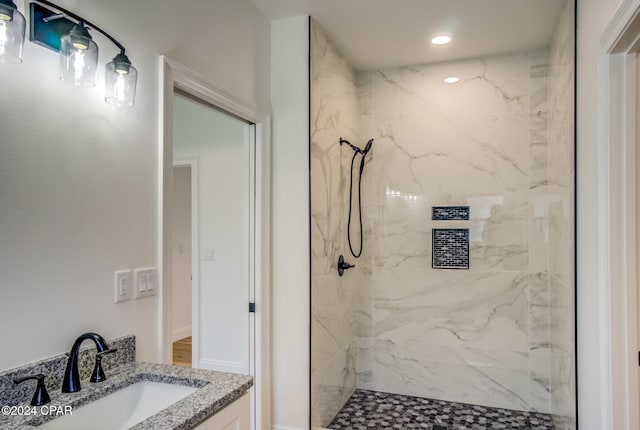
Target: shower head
x=368 y=147
x=352 y=146
x=356 y=149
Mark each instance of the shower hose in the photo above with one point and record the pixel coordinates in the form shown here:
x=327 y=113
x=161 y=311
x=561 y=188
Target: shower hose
x=361 y=169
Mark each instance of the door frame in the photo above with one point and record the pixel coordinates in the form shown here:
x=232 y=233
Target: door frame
x=174 y=75
x=618 y=169
x=192 y=163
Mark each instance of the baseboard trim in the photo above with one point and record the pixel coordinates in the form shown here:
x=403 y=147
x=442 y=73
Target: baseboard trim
x=284 y=428
x=181 y=333
x=223 y=366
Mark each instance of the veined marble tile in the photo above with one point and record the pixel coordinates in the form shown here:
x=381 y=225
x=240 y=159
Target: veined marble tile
x=491 y=378
x=538 y=79
x=326 y=234
x=490 y=84
x=538 y=231
x=561 y=106
x=364 y=365
x=539 y=311
x=561 y=235
x=538 y=126
x=401 y=229
x=334 y=101
x=563 y=389
x=334 y=317
x=538 y=168
x=561 y=151
x=332 y=385
x=540 y=385
x=454 y=154
x=539 y=342
x=364 y=287
x=562 y=363
x=501 y=241
x=538 y=114
x=562 y=314
x=561 y=422
x=465 y=309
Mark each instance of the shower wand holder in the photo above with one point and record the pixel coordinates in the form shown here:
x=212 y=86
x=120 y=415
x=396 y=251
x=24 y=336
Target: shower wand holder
x=343 y=265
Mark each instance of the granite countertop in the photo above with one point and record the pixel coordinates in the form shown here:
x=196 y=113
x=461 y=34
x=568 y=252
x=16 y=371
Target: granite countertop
x=216 y=390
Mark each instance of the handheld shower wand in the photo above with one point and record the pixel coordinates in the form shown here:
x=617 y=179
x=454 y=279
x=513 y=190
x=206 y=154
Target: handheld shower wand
x=364 y=153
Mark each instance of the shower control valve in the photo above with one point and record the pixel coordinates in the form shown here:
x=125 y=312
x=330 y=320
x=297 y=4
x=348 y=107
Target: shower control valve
x=343 y=265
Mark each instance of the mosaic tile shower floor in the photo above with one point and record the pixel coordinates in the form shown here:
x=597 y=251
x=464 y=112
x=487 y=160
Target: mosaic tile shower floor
x=376 y=410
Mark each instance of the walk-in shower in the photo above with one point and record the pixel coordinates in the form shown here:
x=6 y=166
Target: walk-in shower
x=459 y=312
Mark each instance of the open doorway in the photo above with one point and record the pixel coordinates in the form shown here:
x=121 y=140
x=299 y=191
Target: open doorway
x=256 y=308
x=213 y=216
x=181 y=303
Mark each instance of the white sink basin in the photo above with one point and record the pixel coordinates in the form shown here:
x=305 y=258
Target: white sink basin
x=122 y=409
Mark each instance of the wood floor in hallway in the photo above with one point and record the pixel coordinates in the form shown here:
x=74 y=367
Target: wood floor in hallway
x=182 y=352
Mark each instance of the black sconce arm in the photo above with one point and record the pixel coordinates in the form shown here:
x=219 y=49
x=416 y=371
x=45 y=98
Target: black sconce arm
x=87 y=23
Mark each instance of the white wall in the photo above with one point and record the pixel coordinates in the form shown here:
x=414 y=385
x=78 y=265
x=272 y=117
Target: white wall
x=290 y=225
x=218 y=142
x=181 y=272
x=592 y=18
x=78 y=178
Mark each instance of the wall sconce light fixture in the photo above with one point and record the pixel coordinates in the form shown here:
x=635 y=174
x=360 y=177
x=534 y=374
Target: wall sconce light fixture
x=12 y=29
x=50 y=27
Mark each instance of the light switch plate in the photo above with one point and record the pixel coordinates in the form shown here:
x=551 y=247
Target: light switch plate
x=145 y=280
x=122 y=285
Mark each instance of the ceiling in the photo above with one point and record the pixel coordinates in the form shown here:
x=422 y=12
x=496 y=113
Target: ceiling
x=374 y=34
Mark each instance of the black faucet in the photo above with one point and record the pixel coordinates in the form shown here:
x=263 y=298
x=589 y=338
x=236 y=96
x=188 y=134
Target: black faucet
x=71 y=380
x=40 y=396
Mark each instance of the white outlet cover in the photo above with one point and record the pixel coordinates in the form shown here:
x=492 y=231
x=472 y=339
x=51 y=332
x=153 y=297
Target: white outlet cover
x=145 y=282
x=122 y=285
x=208 y=254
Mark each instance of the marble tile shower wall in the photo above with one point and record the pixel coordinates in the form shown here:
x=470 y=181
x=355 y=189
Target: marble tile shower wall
x=561 y=220
x=334 y=325
x=480 y=335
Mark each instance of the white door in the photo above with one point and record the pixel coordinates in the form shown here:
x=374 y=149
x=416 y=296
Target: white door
x=223 y=146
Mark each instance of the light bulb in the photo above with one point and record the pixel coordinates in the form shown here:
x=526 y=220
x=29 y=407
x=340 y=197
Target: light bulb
x=441 y=39
x=79 y=64
x=3 y=35
x=12 y=31
x=451 y=80
x=120 y=81
x=119 y=89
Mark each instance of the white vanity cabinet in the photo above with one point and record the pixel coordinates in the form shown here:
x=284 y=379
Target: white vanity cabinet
x=236 y=416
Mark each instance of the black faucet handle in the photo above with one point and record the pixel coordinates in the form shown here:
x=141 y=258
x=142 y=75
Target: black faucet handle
x=98 y=374
x=40 y=396
x=105 y=352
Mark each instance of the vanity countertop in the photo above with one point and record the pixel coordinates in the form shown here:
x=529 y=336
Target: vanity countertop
x=215 y=391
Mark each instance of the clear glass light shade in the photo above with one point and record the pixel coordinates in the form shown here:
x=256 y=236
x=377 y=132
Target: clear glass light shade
x=120 y=84
x=78 y=60
x=12 y=30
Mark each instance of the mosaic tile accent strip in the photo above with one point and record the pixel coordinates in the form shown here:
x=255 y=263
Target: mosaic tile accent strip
x=53 y=368
x=450 y=248
x=450 y=213
x=378 y=410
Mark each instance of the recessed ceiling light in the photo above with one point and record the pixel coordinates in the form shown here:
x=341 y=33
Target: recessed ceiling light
x=451 y=80
x=441 y=39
